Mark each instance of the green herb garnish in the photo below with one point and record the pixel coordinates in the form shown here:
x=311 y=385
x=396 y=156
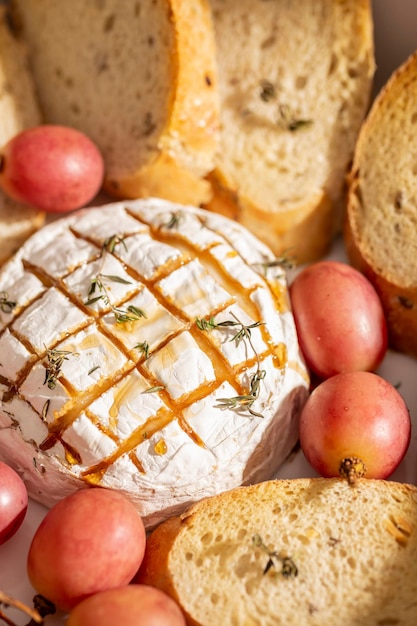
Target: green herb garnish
x=284 y=565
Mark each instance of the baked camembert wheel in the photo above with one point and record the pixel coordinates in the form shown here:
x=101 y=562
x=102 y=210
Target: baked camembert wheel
x=147 y=347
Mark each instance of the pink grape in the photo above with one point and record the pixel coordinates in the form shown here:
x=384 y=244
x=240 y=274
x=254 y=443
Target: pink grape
x=53 y=168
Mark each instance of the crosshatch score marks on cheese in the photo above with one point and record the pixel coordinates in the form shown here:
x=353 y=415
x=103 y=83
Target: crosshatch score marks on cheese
x=149 y=331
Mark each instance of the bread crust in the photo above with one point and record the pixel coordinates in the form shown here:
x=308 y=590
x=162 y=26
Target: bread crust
x=377 y=236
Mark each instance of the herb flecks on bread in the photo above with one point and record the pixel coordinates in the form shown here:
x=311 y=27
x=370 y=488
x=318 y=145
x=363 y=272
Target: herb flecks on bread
x=295 y=83
x=301 y=551
x=381 y=224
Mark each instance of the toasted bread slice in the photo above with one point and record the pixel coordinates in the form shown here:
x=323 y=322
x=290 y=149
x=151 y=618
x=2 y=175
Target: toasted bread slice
x=139 y=78
x=303 y=551
x=18 y=110
x=295 y=81
x=381 y=224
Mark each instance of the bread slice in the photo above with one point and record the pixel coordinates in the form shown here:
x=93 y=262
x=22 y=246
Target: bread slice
x=295 y=80
x=140 y=79
x=18 y=110
x=381 y=224
x=300 y=552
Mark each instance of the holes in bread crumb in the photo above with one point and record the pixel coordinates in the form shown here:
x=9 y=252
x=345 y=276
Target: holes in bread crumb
x=109 y=23
x=219 y=538
x=189 y=556
x=242 y=534
x=353 y=72
x=334 y=62
x=214 y=598
x=276 y=510
x=351 y=562
x=414 y=118
x=301 y=82
x=207 y=539
x=199 y=562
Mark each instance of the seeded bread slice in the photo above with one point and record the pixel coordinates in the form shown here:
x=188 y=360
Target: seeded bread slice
x=18 y=110
x=381 y=224
x=304 y=552
x=139 y=78
x=295 y=81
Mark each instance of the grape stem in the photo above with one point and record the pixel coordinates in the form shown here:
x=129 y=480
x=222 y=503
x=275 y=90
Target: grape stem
x=352 y=468
x=7 y=600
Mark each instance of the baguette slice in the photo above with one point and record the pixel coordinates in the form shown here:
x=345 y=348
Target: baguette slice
x=381 y=223
x=295 y=81
x=295 y=552
x=18 y=110
x=140 y=79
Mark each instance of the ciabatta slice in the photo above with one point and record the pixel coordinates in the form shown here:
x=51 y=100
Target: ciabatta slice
x=381 y=224
x=139 y=78
x=305 y=552
x=295 y=81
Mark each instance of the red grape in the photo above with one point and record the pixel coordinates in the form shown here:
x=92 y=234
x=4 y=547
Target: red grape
x=355 y=418
x=54 y=168
x=339 y=318
x=90 y=541
x=13 y=502
x=130 y=605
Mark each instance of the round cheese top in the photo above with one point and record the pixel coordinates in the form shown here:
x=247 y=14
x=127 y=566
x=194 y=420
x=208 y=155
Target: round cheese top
x=146 y=347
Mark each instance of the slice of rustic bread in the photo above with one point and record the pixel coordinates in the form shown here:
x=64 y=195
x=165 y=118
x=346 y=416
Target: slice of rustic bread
x=18 y=110
x=295 y=81
x=139 y=78
x=381 y=224
x=302 y=551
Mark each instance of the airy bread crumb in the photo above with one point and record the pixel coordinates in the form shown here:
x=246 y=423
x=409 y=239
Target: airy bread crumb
x=300 y=551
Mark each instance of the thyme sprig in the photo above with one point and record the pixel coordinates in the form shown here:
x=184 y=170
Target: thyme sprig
x=98 y=290
x=244 y=332
x=243 y=401
x=174 y=220
x=55 y=360
x=143 y=347
x=6 y=305
x=284 y=565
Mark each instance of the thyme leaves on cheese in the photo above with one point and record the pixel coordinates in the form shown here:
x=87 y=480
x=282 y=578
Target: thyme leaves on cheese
x=174 y=220
x=6 y=305
x=98 y=290
x=153 y=389
x=246 y=401
x=243 y=332
x=143 y=347
x=241 y=401
x=282 y=565
x=45 y=409
x=55 y=360
x=111 y=242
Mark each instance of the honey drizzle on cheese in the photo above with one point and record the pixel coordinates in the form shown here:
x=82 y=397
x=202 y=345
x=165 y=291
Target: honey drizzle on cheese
x=173 y=409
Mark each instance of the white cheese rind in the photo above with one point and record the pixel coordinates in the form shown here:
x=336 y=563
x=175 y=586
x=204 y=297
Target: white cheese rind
x=150 y=352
